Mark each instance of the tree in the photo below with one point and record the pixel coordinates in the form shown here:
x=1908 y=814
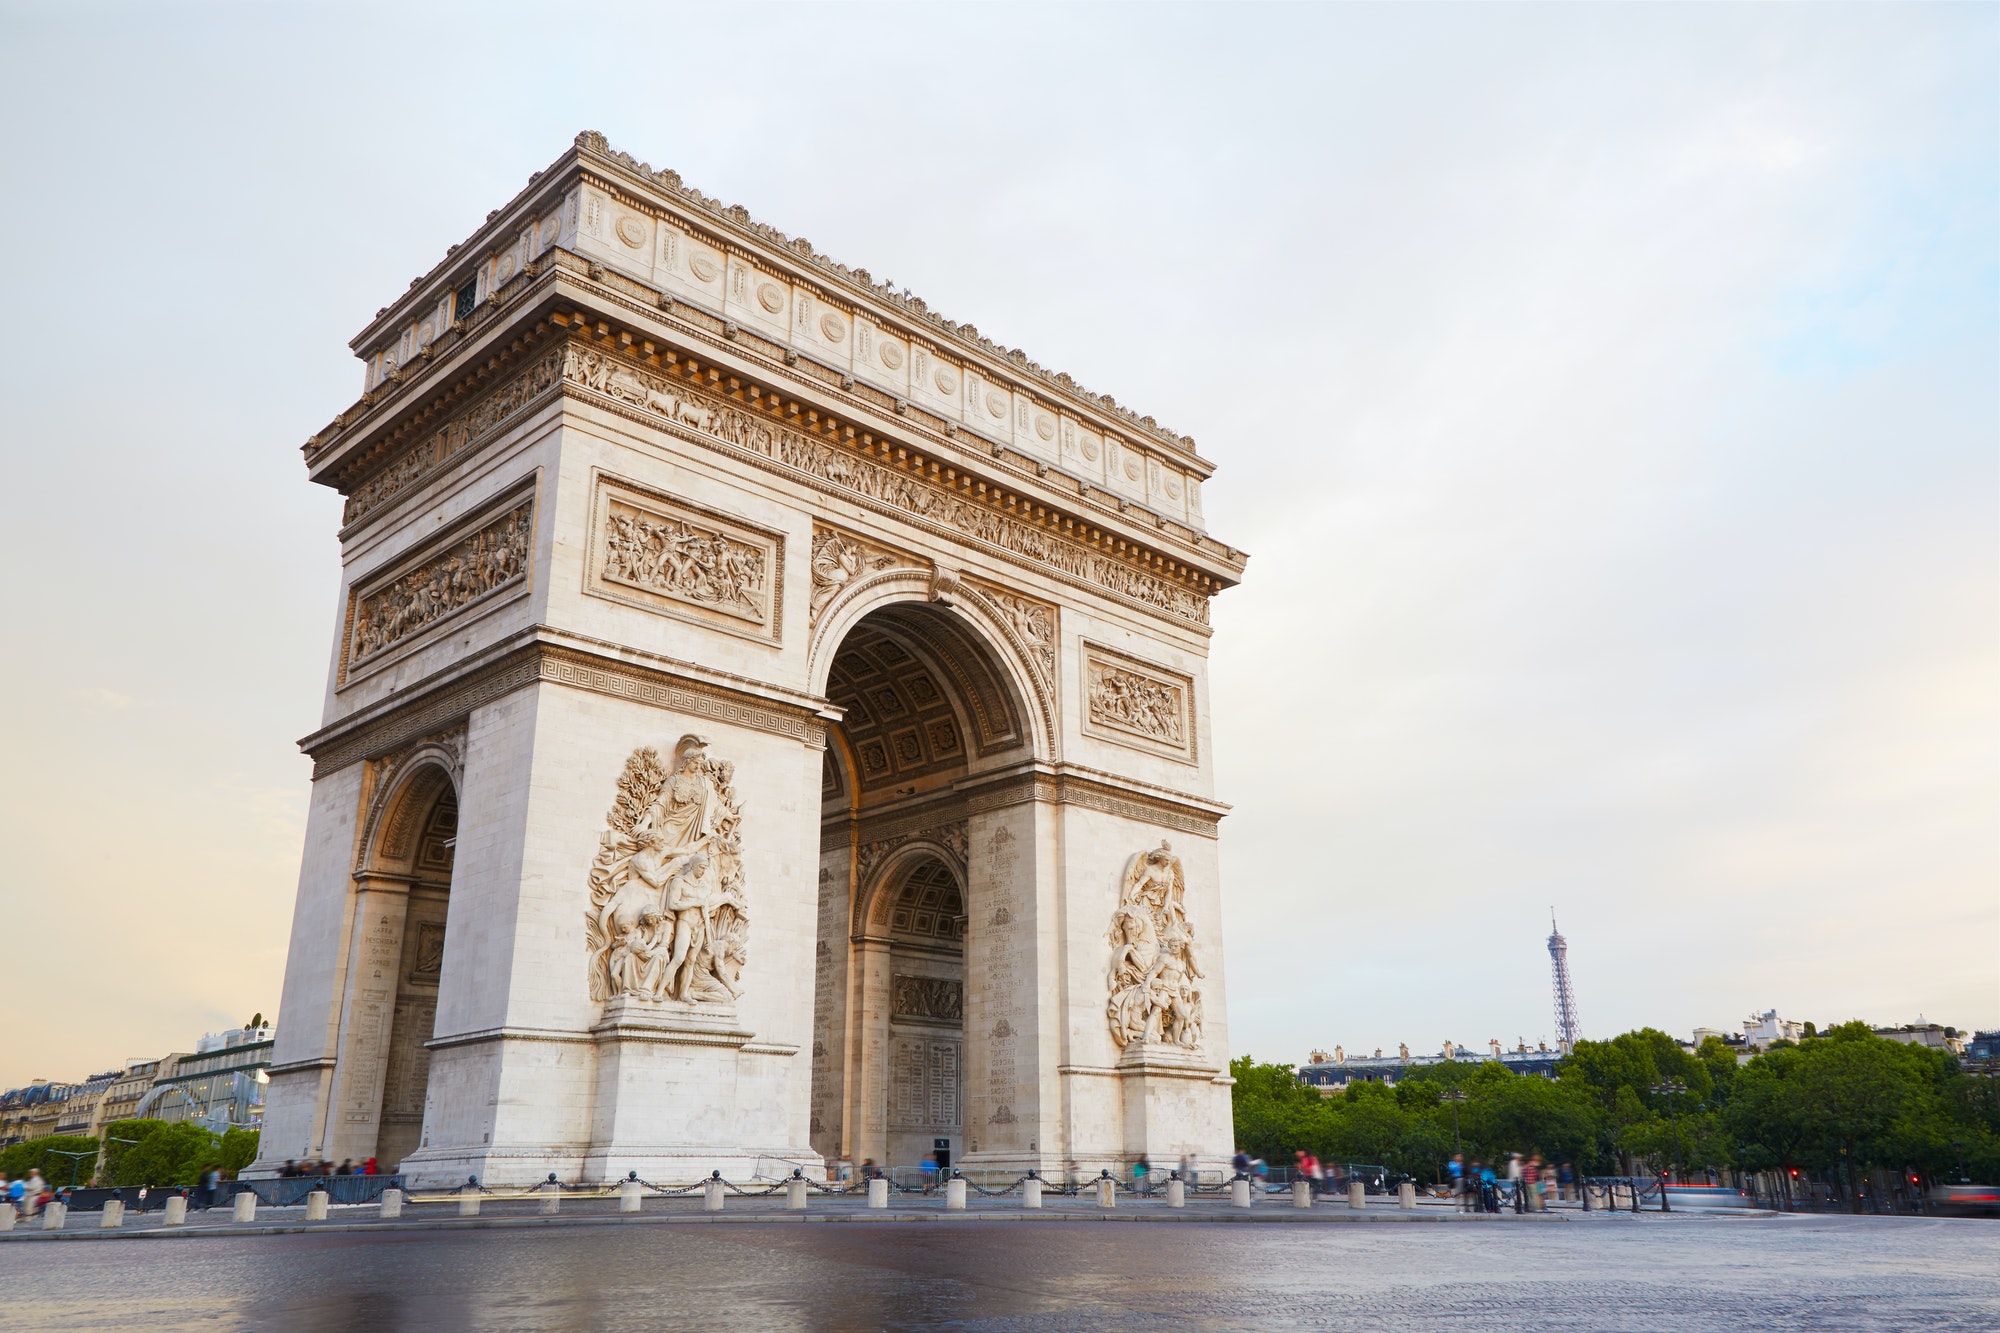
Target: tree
x=50 y=1156
x=239 y=1149
x=161 y=1154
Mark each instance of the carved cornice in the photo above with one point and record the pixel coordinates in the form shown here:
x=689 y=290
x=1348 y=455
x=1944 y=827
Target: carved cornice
x=1068 y=785
x=353 y=740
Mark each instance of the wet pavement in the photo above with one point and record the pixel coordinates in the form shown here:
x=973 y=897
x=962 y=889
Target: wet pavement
x=1601 y=1272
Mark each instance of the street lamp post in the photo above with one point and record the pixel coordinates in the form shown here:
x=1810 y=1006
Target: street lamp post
x=1455 y=1096
x=1671 y=1089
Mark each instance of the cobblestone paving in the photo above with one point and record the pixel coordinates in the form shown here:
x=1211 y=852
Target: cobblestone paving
x=1683 y=1274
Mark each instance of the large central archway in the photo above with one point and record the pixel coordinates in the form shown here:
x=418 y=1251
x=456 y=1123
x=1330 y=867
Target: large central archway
x=931 y=705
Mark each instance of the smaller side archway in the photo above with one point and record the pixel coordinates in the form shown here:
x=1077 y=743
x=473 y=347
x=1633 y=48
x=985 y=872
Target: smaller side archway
x=403 y=894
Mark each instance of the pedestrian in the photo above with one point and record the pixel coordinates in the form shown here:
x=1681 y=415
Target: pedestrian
x=1531 y=1182
x=1142 y=1171
x=1240 y=1163
x=369 y=1168
x=36 y=1191
x=17 y=1191
x=1489 y=1188
x=930 y=1167
x=1455 y=1173
x=346 y=1167
x=1190 y=1170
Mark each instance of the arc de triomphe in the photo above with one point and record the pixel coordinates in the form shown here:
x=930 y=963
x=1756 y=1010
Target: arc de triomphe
x=768 y=724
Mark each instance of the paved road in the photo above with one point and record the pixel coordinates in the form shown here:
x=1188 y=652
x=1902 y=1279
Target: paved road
x=1599 y=1273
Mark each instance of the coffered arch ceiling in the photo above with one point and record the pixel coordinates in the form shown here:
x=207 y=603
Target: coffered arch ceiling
x=924 y=699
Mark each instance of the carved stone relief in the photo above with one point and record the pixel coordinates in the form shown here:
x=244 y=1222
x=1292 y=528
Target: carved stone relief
x=664 y=554
x=952 y=837
x=937 y=999
x=923 y=500
x=441 y=584
x=667 y=916
x=1154 y=996
x=1135 y=704
x=839 y=558
x=1033 y=621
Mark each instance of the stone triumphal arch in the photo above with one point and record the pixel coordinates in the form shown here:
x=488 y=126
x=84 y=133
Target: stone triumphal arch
x=767 y=725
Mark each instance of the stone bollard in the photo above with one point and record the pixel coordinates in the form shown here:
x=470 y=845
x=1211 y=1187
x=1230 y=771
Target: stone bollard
x=1031 y=1192
x=114 y=1213
x=954 y=1194
x=316 y=1203
x=1176 y=1193
x=6 y=1216
x=711 y=1195
x=795 y=1194
x=630 y=1195
x=1302 y=1194
x=1588 y=1206
x=878 y=1193
x=551 y=1197
x=54 y=1215
x=177 y=1211
x=1406 y=1196
x=468 y=1201
x=1357 y=1194
x=244 y=1207
x=1239 y=1192
x=392 y=1204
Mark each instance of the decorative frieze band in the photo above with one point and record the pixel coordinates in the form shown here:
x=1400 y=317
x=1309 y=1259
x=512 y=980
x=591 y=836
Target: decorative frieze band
x=338 y=746
x=457 y=435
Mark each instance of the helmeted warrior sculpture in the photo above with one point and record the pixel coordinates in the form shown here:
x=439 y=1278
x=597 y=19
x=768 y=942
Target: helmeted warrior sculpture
x=1154 y=997
x=667 y=916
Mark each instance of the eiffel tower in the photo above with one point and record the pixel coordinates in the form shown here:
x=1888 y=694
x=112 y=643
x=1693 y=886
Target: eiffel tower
x=1568 y=1030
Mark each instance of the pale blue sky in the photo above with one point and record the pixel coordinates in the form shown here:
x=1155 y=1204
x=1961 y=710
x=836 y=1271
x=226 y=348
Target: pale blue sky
x=1607 y=395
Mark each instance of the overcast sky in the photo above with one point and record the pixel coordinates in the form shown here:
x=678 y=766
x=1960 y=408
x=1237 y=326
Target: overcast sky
x=1607 y=396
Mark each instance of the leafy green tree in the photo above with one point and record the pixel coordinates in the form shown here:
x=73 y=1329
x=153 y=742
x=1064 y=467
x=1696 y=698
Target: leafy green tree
x=161 y=1154
x=49 y=1155
x=239 y=1149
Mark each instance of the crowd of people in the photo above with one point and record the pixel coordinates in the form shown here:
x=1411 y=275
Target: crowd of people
x=1525 y=1183
x=292 y=1170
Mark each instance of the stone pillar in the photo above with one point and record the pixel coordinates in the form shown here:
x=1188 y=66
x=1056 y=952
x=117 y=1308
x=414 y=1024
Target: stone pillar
x=1584 y=1190
x=551 y=1198
x=244 y=1208
x=795 y=1194
x=392 y=1204
x=1176 y=1192
x=54 y=1216
x=954 y=1194
x=177 y=1211
x=867 y=1107
x=631 y=1194
x=1302 y=1194
x=711 y=1196
x=878 y=1193
x=1357 y=1197
x=1239 y=1192
x=114 y=1213
x=1107 y=1192
x=380 y=910
x=1406 y=1196
x=1031 y=1192
x=316 y=1206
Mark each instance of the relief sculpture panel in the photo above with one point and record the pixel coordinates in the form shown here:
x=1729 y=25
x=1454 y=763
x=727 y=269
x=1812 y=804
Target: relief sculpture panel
x=676 y=558
x=668 y=918
x=1139 y=705
x=1154 y=995
x=476 y=568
